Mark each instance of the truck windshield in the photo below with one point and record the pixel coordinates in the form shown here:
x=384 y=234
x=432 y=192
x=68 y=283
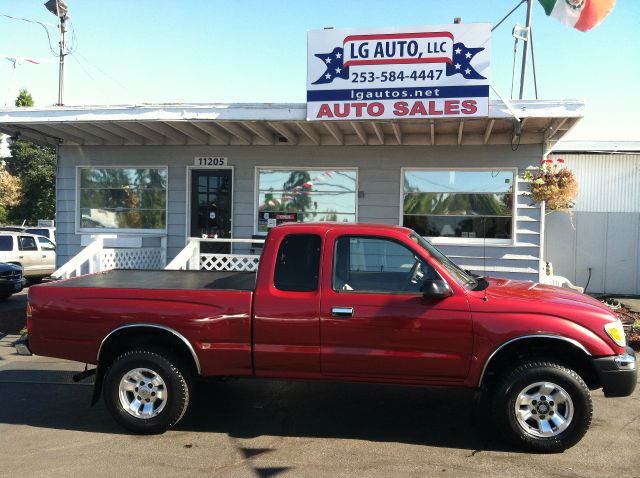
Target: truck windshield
x=462 y=276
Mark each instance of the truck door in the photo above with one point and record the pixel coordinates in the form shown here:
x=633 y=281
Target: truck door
x=375 y=322
x=286 y=307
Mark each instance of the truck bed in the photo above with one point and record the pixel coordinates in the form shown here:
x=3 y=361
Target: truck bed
x=211 y=310
x=163 y=279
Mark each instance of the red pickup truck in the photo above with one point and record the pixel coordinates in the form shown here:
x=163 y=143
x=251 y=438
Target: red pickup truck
x=347 y=302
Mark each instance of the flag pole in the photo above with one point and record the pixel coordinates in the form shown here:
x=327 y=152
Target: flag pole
x=523 y=71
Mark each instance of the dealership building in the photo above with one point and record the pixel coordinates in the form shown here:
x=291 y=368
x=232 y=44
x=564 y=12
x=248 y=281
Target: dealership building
x=137 y=185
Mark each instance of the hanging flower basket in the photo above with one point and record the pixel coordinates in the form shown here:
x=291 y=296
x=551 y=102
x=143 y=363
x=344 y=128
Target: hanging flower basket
x=553 y=183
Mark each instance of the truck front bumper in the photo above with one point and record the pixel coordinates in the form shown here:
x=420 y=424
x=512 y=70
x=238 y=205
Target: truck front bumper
x=618 y=373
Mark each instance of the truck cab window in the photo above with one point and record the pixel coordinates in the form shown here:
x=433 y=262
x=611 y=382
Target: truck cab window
x=298 y=263
x=378 y=265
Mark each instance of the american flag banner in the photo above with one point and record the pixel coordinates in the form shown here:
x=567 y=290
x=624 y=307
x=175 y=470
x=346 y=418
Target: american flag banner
x=460 y=64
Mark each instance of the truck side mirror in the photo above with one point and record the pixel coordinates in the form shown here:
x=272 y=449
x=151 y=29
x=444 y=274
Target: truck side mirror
x=436 y=289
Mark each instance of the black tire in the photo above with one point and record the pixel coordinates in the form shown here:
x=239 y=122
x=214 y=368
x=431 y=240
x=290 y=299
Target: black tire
x=529 y=373
x=175 y=383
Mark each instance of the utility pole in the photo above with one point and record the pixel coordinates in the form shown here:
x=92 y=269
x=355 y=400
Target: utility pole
x=59 y=9
x=63 y=47
x=523 y=71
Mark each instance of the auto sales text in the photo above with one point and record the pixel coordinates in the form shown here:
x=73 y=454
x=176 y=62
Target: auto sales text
x=412 y=108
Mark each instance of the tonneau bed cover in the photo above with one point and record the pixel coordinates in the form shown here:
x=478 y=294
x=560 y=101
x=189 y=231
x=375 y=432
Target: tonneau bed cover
x=163 y=280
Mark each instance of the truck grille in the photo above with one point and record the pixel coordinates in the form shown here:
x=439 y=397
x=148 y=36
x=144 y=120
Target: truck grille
x=11 y=275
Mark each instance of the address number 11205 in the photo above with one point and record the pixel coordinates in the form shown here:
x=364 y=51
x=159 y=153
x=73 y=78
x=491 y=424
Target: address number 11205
x=211 y=161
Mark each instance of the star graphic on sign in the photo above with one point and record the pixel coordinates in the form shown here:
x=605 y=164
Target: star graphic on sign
x=334 y=67
x=461 y=62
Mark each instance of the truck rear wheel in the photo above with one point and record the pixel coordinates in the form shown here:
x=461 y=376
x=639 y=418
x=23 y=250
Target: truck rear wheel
x=146 y=392
x=543 y=406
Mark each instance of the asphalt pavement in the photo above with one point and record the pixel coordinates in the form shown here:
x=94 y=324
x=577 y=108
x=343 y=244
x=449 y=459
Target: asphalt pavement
x=259 y=428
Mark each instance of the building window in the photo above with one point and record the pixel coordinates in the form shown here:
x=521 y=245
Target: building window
x=123 y=198
x=458 y=203
x=301 y=195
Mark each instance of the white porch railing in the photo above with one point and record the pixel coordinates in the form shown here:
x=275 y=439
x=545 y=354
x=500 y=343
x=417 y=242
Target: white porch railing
x=95 y=258
x=86 y=261
x=187 y=259
x=190 y=258
x=142 y=258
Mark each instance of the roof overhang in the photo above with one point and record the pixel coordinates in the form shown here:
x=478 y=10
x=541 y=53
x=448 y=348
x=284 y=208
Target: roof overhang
x=538 y=122
x=605 y=147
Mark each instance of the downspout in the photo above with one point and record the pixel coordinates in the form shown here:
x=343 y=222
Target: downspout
x=541 y=263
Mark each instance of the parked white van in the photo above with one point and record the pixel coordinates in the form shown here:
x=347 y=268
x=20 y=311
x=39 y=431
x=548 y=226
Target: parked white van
x=35 y=254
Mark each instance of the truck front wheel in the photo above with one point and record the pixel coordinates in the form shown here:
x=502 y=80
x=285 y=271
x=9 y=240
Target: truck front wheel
x=146 y=392
x=543 y=406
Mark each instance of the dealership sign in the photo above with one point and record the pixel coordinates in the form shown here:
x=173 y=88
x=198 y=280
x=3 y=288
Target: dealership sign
x=411 y=72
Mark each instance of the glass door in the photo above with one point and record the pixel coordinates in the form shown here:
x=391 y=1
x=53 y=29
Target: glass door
x=211 y=207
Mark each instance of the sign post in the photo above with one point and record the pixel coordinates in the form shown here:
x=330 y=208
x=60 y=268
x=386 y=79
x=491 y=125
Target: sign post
x=400 y=72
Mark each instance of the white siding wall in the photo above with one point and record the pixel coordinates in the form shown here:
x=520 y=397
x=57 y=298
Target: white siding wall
x=603 y=231
x=378 y=176
x=607 y=182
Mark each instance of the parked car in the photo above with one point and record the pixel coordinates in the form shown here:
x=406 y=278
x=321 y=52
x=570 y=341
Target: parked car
x=11 y=280
x=12 y=228
x=36 y=255
x=48 y=232
x=349 y=302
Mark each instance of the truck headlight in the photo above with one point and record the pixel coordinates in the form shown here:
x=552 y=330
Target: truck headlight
x=616 y=332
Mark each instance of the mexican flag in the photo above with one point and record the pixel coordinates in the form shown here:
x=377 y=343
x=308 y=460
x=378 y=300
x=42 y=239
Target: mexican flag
x=580 y=14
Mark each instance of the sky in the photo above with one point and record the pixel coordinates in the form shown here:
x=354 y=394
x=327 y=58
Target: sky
x=196 y=51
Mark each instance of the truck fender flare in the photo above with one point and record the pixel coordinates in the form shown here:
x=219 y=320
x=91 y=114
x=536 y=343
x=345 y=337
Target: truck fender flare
x=573 y=342
x=153 y=326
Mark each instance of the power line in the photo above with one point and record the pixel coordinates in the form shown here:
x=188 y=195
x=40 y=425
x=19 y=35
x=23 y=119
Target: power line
x=73 y=44
x=46 y=29
x=508 y=15
x=132 y=93
x=92 y=78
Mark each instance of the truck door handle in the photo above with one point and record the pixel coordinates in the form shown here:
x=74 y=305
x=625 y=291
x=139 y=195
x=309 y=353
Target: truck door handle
x=342 y=311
